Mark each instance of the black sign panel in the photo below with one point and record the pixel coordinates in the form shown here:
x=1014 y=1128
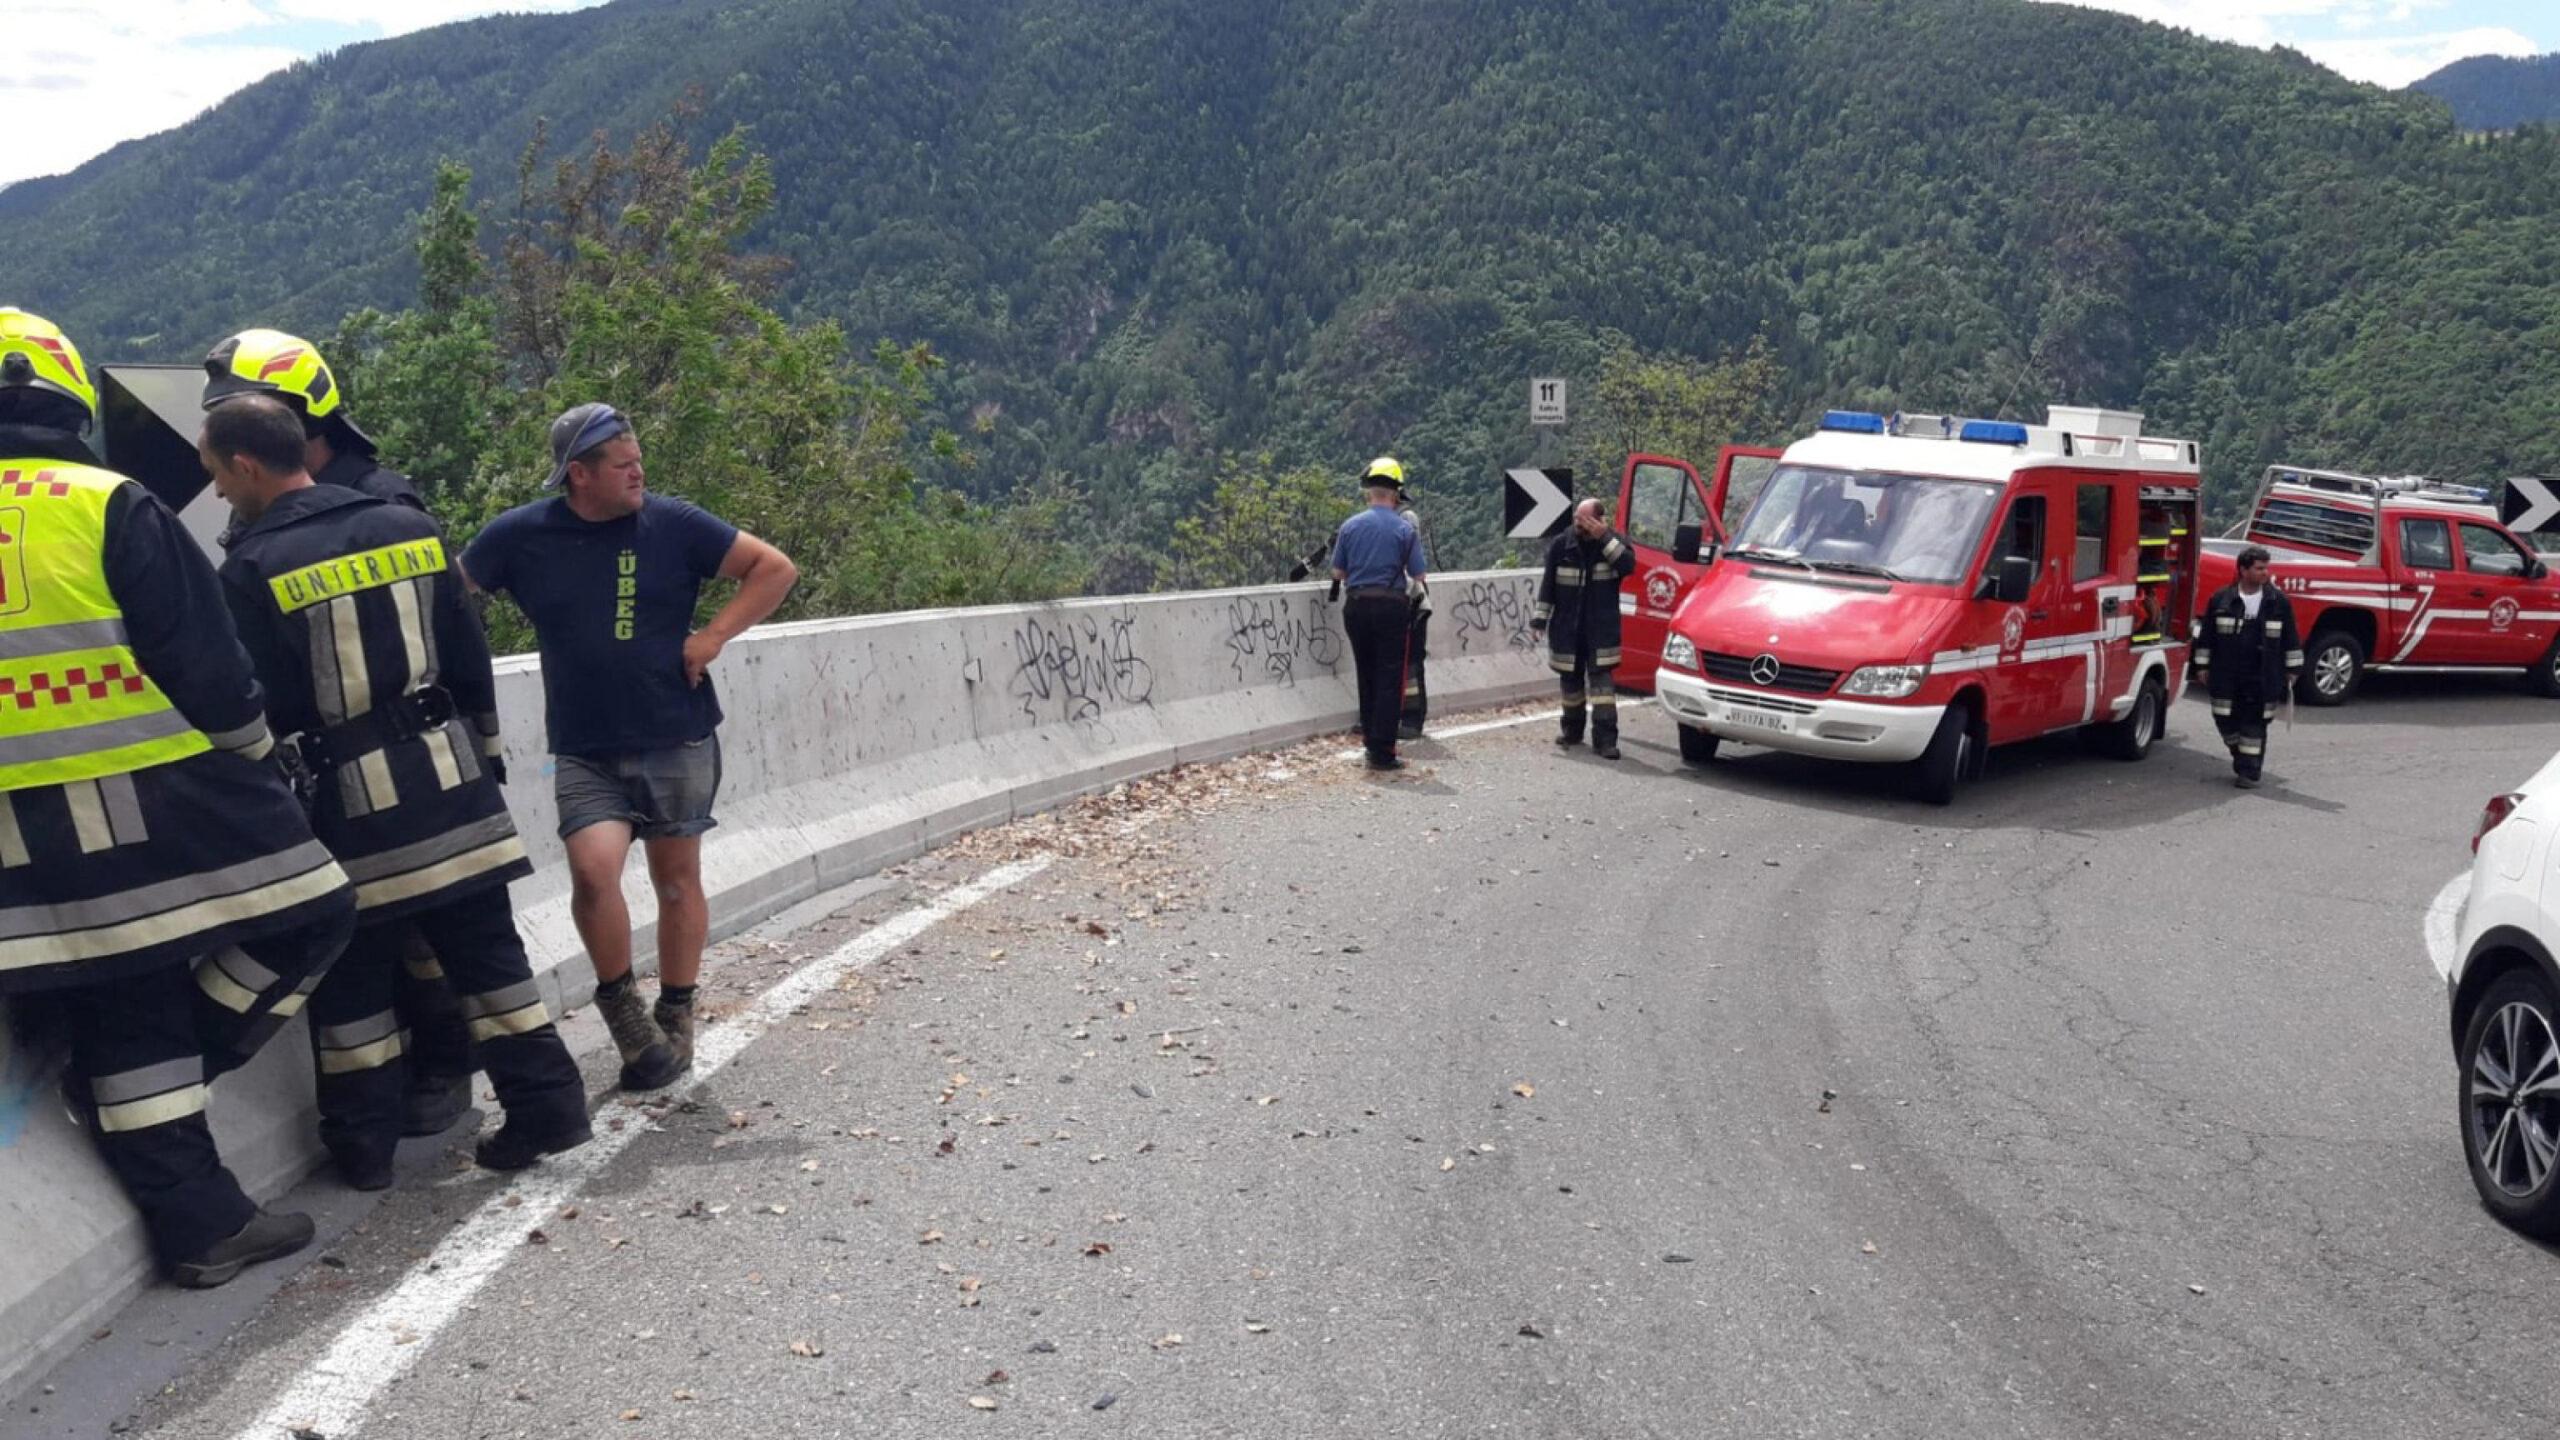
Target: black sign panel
x=1536 y=504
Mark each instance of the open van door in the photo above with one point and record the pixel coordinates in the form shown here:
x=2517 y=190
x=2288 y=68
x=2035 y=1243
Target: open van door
x=1674 y=518
x=1742 y=472
x=1667 y=515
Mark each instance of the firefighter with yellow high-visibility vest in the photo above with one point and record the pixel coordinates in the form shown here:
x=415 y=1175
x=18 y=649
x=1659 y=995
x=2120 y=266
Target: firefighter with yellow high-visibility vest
x=359 y=625
x=337 y=452
x=144 y=826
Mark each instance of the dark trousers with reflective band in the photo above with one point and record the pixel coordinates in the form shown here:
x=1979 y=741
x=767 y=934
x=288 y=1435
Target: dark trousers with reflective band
x=1378 y=623
x=1591 y=692
x=146 y=1046
x=439 y=1045
x=2243 y=721
x=1417 y=691
x=360 y=1052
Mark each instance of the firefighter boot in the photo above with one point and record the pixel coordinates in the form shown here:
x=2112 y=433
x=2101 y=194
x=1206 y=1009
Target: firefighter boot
x=648 y=1061
x=440 y=1066
x=529 y=1135
x=1576 y=711
x=267 y=1236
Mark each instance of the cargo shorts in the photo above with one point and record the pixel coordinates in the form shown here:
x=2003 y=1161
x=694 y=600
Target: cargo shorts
x=661 y=794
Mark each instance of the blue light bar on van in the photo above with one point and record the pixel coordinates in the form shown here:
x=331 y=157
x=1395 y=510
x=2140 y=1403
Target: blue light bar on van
x=1993 y=432
x=1855 y=422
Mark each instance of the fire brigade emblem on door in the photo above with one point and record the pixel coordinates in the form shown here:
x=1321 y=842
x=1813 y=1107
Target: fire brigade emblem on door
x=2503 y=614
x=13 y=564
x=2013 y=629
x=1661 y=587
x=1764 y=670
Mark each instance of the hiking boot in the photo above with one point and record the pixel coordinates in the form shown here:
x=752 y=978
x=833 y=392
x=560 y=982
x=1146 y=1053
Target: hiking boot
x=267 y=1236
x=676 y=1021
x=519 y=1143
x=433 y=1103
x=648 y=1061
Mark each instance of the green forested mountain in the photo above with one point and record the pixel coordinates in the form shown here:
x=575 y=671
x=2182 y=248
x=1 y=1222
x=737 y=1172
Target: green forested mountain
x=2492 y=92
x=1151 y=233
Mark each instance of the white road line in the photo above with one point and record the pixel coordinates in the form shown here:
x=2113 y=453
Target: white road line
x=2444 y=922
x=381 y=1343
x=1460 y=732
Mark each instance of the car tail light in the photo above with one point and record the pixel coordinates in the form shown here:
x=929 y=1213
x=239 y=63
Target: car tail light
x=2494 y=814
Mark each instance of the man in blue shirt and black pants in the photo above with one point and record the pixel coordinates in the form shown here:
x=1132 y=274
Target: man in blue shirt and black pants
x=1377 y=558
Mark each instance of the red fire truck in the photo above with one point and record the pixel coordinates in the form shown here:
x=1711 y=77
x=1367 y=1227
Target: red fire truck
x=1922 y=588
x=2397 y=574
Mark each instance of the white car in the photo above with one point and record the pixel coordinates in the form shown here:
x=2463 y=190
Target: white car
x=2505 y=989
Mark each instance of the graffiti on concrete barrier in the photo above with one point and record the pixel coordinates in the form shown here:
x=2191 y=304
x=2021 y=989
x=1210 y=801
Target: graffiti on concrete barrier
x=1074 y=667
x=1498 y=612
x=1273 y=635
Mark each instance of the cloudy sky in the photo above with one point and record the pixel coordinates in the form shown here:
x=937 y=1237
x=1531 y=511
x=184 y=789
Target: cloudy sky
x=115 y=69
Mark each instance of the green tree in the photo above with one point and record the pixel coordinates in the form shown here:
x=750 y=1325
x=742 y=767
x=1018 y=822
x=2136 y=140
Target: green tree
x=430 y=384
x=624 y=278
x=1258 y=521
x=1676 y=405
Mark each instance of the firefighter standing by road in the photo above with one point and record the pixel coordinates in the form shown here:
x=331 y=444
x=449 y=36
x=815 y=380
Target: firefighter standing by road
x=1417 y=689
x=270 y=362
x=2248 y=651
x=358 y=622
x=143 y=824
x=1578 y=613
x=1415 y=710
x=1377 y=559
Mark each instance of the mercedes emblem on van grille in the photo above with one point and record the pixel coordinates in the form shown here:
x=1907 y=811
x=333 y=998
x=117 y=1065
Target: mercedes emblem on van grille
x=1764 y=670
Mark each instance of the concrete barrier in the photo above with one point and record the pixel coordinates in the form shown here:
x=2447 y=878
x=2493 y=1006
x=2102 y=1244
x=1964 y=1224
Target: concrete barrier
x=850 y=745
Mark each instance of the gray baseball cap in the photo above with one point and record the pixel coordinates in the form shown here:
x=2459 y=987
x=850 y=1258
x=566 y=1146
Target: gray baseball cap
x=579 y=429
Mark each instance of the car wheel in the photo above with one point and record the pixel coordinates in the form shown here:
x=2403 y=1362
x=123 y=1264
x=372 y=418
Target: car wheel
x=1948 y=760
x=2511 y=1102
x=2545 y=675
x=2333 y=668
x=1697 y=747
x=2131 y=737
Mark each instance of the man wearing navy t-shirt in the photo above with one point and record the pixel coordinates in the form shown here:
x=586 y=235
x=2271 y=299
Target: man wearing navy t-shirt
x=609 y=575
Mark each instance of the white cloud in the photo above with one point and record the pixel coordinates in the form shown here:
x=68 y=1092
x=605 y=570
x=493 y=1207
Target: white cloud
x=115 y=70
x=2382 y=49
x=2398 y=60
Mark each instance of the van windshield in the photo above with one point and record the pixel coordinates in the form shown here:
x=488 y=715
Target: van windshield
x=1912 y=528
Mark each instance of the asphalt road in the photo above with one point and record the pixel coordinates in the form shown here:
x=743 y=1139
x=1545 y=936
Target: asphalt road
x=1490 y=1100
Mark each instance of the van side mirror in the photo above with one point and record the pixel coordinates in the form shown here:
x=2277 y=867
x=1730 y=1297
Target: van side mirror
x=1685 y=542
x=2012 y=582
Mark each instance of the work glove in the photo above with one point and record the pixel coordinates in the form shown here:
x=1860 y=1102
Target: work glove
x=498 y=768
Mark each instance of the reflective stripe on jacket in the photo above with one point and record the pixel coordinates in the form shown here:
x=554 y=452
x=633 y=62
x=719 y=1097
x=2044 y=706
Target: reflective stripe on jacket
x=352 y=608
x=74 y=701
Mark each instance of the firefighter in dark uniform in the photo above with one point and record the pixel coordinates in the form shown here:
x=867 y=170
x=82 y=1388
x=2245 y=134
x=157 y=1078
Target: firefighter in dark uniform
x=2248 y=651
x=1417 y=690
x=144 y=826
x=358 y=623
x=1578 y=613
x=337 y=453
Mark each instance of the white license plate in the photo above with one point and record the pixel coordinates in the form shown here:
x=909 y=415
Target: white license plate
x=1755 y=719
